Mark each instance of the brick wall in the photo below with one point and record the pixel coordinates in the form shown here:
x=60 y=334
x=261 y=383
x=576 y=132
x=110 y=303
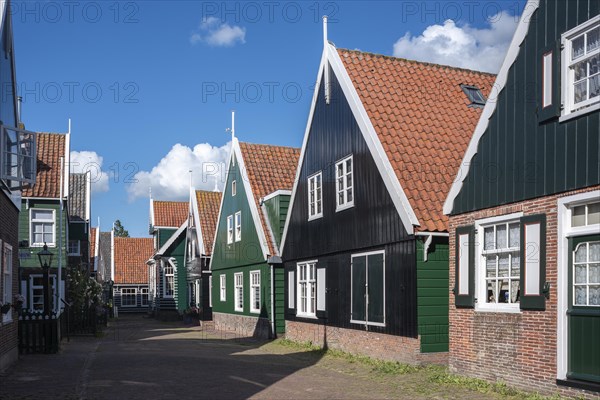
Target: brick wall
x=243 y=325
x=9 y=217
x=371 y=344
x=519 y=349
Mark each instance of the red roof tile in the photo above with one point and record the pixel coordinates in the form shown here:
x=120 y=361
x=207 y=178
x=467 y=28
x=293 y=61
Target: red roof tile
x=170 y=213
x=208 y=212
x=269 y=168
x=92 y=247
x=423 y=120
x=130 y=256
x=50 y=148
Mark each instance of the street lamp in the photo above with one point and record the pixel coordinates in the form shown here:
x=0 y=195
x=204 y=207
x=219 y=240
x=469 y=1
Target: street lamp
x=45 y=258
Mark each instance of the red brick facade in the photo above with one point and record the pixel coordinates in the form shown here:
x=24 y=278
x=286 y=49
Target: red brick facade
x=9 y=218
x=371 y=344
x=517 y=348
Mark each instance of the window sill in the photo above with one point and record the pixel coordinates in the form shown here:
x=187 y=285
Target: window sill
x=381 y=324
x=254 y=311
x=579 y=113
x=498 y=309
x=319 y=216
x=307 y=316
x=238 y=310
x=344 y=207
x=42 y=245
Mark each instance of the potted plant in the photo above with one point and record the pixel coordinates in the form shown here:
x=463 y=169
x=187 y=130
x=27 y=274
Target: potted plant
x=5 y=308
x=19 y=300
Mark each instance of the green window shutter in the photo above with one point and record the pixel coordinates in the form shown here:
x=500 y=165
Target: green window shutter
x=464 y=289
x=375 y=271
x=533 y=262
x=321 y=311
x=359 y=281
x=548 y=89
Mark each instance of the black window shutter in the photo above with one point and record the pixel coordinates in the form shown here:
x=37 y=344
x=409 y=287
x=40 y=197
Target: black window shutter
x=533 y=262
x=553 y=110
x=464 y=286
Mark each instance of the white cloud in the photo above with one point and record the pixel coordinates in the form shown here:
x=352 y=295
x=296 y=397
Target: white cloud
x=219 y=34
x=83 y=161
x=465 y=47
x=170 y=178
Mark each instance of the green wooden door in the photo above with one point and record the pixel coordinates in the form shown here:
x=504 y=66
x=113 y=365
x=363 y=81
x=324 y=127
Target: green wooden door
x=584 y=308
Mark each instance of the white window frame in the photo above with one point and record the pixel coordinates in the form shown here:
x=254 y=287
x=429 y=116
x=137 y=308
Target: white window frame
x=254 y=291
x=33 y=221
x=318 y=200
x=566 y=231
x=366 y=255
x=32 y=287
x=481 y=303
x=233 y=188
x=78 y=252
x=229 y=229
x=345 y=204
x=223 y=287
x=134 y=294
x=7 y=268
x=209 y=291
x=145 y=296
x=238 y=284
x=166 y=275
x=310 y=290
x=567 y=73
x=238 y=226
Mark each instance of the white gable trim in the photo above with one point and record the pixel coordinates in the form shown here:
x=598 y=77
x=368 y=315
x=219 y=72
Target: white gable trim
x=195 y=214
x=399 y=198
x=171 y=240
x=263 y=209
x=280 y=192
x=490 y=106
x=237 y=154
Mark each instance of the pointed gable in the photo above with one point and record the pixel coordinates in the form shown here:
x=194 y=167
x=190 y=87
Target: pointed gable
x=423 y=120
x=170 y=214
x=50 y=148
x=268 y=169
x=208 y=213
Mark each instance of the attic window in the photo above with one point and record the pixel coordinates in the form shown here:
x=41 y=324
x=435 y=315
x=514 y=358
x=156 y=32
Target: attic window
x=474 y=95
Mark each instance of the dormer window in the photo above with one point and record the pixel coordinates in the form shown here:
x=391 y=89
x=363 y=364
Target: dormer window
x=474 y=95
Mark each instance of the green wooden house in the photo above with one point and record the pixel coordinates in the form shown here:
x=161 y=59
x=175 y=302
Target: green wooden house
x=525 y=212
x=247 y=279
x=167 y=274
x=44 y=220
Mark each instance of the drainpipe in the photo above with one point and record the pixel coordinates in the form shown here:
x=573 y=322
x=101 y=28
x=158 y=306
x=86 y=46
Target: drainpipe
x=60 y=235
x=272 y=301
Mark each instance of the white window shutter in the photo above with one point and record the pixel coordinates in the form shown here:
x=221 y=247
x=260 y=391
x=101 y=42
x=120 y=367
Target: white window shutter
x=464 y=289
x=321 y=289
x=533 y=263
x=547 y=79
x=291 y=291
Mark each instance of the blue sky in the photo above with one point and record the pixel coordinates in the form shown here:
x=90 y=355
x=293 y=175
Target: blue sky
x=145 y=83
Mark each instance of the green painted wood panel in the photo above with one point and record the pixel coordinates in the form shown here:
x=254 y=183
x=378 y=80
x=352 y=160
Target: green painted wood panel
x=277 y=208
x=433 y=295
x=521 y=155
x=177 y=251
x=28 y=255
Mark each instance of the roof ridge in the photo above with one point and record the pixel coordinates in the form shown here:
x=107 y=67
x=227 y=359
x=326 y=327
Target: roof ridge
x=169 y=201
x=271 y=145
x=416 y=61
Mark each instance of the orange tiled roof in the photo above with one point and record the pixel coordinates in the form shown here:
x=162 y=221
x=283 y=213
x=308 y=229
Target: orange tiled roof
x=170 y=213
x=208 y=212
x=423 y=121
x=92 y=247
x=50 y=148
x=269 y=168
x=130 y=256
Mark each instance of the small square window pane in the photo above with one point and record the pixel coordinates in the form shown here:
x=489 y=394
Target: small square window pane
x=349 y=165
x=580 y=274
x=340 y=170
x=42 y=214
x=593 y=64
x=38 y=238
x=503 y=286
x=503 y=265
x=594 y=86
x=515 y=286
x=488 y=238
x=593 y=214
x=341 y=184
x=580 y=92
x=581 y=253
x=593 y=39
x=580 y=70
x=501 y=237
x=577 y=47
x=595 y=251
x=578 y=216
x=348 y=180
x=490 y=267
x=341 y=198
x=349 y=194
x=492 y=295
x=515 y=267
x=514 y=235
x=594 y=296
x=594 y=273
